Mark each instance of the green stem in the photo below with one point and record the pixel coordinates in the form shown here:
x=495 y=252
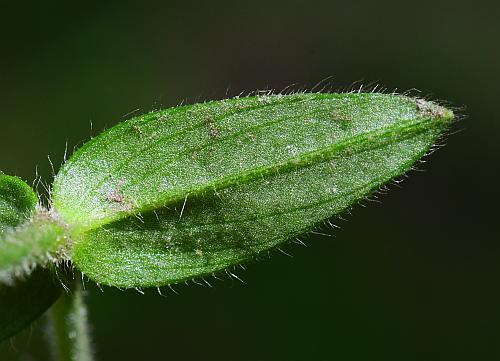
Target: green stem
x=68 y=327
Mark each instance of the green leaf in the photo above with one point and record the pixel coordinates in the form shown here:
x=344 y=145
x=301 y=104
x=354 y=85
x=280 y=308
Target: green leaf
x=27 y=300
x=24 y=294
x=189 y=191
x=17 y=202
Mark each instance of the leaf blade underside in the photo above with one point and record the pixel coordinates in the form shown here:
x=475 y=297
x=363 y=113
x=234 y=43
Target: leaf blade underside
x=27 y=300
x=185 y=192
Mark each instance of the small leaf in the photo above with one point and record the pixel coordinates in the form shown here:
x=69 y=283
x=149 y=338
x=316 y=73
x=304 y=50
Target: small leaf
x=25 y=299
x=17 y=202
x=189 y=191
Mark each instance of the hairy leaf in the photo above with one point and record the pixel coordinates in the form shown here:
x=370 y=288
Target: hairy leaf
x=22 y=299
x=17 y=202
x=188 y=191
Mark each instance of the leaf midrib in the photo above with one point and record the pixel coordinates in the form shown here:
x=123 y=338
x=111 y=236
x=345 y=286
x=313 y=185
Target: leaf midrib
x=404 y=129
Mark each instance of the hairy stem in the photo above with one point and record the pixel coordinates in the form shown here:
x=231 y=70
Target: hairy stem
x=69 y=334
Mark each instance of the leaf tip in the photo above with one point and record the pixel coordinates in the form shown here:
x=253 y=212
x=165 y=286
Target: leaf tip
x=430 y=109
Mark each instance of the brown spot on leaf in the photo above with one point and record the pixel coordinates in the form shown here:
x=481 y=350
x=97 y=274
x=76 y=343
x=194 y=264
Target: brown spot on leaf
x=137 y=130
x=340 y=116
x=429 y=109
x=212 y=130
x=116 y=196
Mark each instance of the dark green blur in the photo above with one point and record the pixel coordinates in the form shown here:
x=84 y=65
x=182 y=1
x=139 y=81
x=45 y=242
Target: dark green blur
x=415 y=278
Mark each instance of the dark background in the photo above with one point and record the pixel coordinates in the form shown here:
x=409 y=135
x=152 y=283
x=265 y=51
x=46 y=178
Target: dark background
x=416 y=278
